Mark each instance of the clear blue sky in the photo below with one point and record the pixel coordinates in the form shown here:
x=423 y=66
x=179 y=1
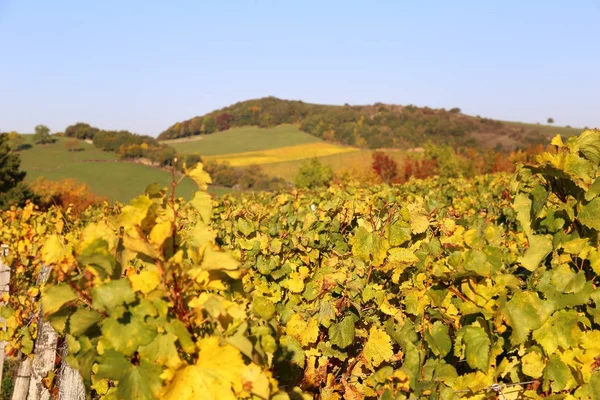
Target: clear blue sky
x=143 y=65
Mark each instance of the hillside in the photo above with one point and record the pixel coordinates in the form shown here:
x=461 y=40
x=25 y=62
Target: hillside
x=373 y=126
x=102 y=171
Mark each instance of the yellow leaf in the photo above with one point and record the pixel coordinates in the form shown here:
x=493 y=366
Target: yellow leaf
x=378 y=348
x=254 y=378
x=218 y=260
x=217 y=374
x=198 y=175
x=145 y=282
x=54 y=250
x=160 y=232
x=305 y=331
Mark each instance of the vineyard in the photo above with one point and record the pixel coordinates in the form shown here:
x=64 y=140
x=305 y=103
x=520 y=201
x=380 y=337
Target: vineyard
x=478 y=288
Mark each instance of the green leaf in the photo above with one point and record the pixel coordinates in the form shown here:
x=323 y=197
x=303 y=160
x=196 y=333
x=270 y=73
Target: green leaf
x=161 y=350
x=558 y=374
x=96 y=255
x=140 y=382
x=55 y=296
x=565 y=280
x=342 y=334
x=263 y=307
x=245 y=227
x=589 y=144
x=291 y=350
x=539 y=248
x=177 y=328
x=561 y=330
x=438 y=339
x=477 y=347
x=399 y=233
x=477 y=262
x=369 y=247
x=522 y=205
x=108 y=296
x=533 y=364
x=590 y=214
x=526 y=312
x=82 y=320
x=54 y=250
x=126 y=337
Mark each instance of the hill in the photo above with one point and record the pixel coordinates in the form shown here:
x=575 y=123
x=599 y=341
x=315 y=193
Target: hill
x=373 y=126
x=101 y=170
x=241 y=140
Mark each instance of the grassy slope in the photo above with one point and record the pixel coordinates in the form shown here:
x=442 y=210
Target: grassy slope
x=244 y=139
x=115 y=180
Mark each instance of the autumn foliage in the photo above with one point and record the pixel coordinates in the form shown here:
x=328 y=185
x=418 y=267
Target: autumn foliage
x=65 y=193
x=384 y=166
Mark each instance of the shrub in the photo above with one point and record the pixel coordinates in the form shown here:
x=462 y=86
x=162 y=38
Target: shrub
x=384 y=166
x=65 y=193
x=312 y=174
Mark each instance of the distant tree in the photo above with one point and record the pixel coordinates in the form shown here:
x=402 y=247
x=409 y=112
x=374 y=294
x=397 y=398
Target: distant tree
x=313 y=174
x=12 y=187
x=455 y=110
x=15 y=141
x=223 y=121
x=81 y=130
x=42 y=134
x=209 y=124
x=384 y=166
x=550 y=120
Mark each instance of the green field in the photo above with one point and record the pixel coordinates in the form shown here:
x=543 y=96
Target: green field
x=241 y=140
x=548 y=130
x=105 y=175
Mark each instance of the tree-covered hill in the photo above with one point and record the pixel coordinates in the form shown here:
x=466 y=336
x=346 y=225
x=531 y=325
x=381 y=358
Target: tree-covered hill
x=374 y=126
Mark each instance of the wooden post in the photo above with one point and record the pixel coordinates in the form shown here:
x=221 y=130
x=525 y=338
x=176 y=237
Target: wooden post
x=44 y=354
x=70 y=384
x=4 y=288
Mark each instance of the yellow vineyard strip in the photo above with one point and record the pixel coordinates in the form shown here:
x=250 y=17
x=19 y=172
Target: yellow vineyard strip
x=281 y=154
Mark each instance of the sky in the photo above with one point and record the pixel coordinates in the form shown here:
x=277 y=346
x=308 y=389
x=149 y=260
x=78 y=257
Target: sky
x=144 y=65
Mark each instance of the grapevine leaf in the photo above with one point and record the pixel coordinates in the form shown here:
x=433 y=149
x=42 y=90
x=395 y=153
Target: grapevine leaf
x=53 y=250
x=161 y=350
x=126 y=337
x=291 y=350
x=378 y=347
x=134 y=213
x=342 y=334
x=96 y=254
x=54 y=297
x=138 y=382
x=305 y=331
x=108 y=296
x=202 y=202
x=533 y=364
x=263 y=307
x=477 y=262
x=560 y=330
x=216 y=375
x=438 y=339
x=558 y=374
x=369 y=247
x=198 y=175
x=145 y=281
x=218 y=260
x=177 y=328
x=526 y=312
x=82 y=320
x=539 y=247
x=399 y=233
x=477 y=347
x=589 y=144
x=160 y=232
x=590 y=214
x=245 y=226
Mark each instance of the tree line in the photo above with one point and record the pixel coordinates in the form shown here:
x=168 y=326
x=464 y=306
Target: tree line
x=373 y=126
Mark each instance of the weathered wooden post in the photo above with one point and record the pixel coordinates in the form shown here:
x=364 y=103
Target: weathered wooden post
x=4 y=288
